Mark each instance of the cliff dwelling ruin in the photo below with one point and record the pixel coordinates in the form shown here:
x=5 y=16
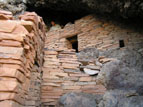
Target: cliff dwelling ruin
x=89 y=58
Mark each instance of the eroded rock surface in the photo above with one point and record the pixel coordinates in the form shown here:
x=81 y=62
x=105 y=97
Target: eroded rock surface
x=124 y=8
x=121 y=98
x=79 y=100
x=15 y=6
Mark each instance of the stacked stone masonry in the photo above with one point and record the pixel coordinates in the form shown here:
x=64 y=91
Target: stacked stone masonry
x=21 y=58
x=93 y=32
x=61 y=74
x=63 y=70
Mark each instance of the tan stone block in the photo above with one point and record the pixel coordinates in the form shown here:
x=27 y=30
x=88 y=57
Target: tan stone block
x=11 y=50
x=74 y=78
x=46 y=88
x=51 y=60
x=7 y=36
x=9 y=85
x=10 y=72
x=48 y=100
x=49 y=77
x=72 y=87
x=51 y=63
x=7 y=26
x=47 y=52
x=14 y=66
x=9 y=103
x=30 y=17
x=10 y=43
x=10 y=61
x=85 y=79
x=51 y=84
x=49 y=69
x=19 y=29
x=68 y=83
x=11 y=96
x=59 y=74
x=53 y=80
x=54 y=93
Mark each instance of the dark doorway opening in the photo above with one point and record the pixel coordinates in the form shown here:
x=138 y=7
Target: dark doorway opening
x=121 y=43
x=74 y=41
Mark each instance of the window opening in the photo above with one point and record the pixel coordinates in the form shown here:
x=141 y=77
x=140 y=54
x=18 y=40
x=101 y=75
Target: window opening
x=74 y=41
x=121 y=43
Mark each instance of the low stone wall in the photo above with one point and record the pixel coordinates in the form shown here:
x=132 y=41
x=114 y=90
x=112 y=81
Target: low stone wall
x=21 y=57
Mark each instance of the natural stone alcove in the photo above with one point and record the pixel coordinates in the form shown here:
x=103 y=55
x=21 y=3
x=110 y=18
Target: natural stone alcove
x=59 y=17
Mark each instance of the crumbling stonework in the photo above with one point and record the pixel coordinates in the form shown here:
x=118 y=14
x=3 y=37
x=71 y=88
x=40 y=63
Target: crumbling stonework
x=21 y=46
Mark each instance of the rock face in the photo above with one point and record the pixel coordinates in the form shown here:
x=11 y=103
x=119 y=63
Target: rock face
x=79 y=100
x=123 y=80
x=15 y=6
x=120 y=98
x=125 y=74
x=124 y=8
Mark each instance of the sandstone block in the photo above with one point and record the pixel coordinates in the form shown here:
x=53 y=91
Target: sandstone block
x=85 y=79
x=7 y=26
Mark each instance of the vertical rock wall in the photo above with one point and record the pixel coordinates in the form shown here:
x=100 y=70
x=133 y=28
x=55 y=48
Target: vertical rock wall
x=21 y=57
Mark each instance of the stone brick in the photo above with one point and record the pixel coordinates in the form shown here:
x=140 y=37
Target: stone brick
x=7 y=36
x=11 y=50
x=72 y=87
x=85 y=78
x=10 y=72
x=9 y=103
x=10 y=43
x=8 y=85
x=19 y=29
x=7 y=26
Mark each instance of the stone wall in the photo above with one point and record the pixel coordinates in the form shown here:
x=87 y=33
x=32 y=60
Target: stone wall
x=21 y=57
x=63 y=69
x=97 y=33
x=61 y=74
x=104 y=35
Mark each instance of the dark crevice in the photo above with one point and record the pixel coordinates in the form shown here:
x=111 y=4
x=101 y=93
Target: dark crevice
x=59 y=17
x=121 y=43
